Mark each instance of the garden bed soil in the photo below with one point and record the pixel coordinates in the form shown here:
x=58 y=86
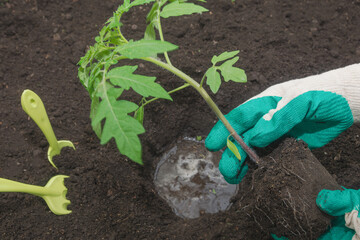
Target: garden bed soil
x=112 y=197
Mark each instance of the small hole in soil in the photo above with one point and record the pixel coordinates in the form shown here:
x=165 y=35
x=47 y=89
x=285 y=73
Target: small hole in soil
x=188 y=178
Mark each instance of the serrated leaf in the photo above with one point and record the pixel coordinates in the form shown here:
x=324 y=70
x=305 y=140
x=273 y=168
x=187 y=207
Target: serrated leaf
x=224 y=56
x=118 y=124
x=232 y=147
x=213 y=79
x=110 y=107
x=139 y=114
x=123 y=77
x=178 y=9
x=132 y=147
x=104 y=90
x=145 y=48
x=232 y=73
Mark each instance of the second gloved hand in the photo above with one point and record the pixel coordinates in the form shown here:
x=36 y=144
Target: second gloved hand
x=345 y=205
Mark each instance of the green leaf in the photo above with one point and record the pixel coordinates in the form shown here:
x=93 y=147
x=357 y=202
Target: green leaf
x=113 y=22
x=123 y=77
x=145 y=48
x=102 y=53
x=153 y=20
x=94 y=80
x=118 y=124
x=150 y=32
x=140 y=2
x=125 y=7
x=126 y=3
x=178 y=9
x=84 y=78
x=213 y=79
x=232 y=73
x=139 y=114
x=152 y=16
x=232 y=147
x=223 y=56
x=93 y=109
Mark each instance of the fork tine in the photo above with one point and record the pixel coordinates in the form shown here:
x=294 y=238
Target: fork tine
x=56 y=198
x=53 y=152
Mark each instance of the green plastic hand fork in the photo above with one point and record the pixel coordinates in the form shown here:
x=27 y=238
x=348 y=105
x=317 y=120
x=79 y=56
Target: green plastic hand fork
x=34 y=107
x=54 y=192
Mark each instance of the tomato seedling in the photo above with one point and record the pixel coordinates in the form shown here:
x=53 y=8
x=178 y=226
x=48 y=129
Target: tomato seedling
x=101 y=73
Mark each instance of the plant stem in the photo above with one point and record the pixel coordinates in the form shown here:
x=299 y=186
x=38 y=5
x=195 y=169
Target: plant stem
x=202 y=80
x=170 y=92
x=253 y=156
x=121 y=35
x=162 y=36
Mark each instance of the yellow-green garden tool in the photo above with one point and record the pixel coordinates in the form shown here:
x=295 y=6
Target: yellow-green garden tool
x=34 y=107
x=54 y=192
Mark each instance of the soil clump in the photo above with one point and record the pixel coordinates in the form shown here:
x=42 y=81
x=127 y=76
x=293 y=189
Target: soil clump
x=284 y=191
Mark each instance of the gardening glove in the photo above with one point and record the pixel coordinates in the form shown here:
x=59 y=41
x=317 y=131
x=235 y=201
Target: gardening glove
x=315 y=109
x=345 y=205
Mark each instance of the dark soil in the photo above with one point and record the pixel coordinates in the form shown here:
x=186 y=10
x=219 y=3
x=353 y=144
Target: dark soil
x=112 y=197
x=283 y=191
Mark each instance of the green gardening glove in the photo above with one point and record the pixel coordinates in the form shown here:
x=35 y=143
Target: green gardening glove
x=315 y=109
x=345 y=205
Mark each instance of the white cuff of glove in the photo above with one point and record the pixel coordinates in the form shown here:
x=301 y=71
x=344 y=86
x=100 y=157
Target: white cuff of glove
x=353 y=221
x=343 y=81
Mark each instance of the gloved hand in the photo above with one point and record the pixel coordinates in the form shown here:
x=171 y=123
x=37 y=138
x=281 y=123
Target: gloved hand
x=345 y=205
x=315 y=109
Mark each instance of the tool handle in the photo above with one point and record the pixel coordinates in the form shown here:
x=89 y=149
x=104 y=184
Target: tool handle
x=13 y=186
x=34 y=107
